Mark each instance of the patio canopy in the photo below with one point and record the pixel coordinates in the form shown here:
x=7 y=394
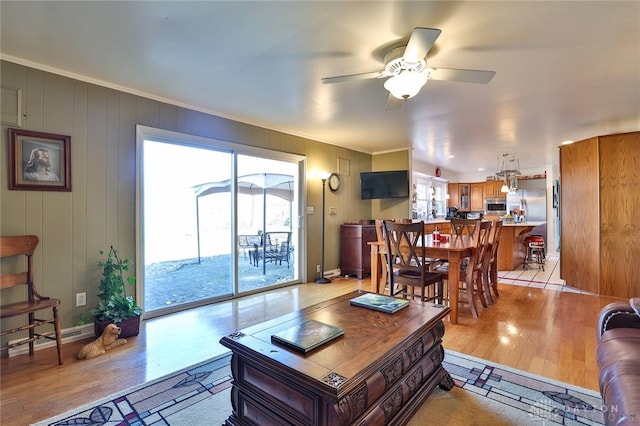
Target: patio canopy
x=254 y=184
x=279 y=185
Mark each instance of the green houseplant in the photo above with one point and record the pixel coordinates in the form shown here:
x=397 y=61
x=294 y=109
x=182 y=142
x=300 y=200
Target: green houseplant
x=115 y=306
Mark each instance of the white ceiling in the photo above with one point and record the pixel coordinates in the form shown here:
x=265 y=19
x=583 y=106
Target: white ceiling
x=564 y=70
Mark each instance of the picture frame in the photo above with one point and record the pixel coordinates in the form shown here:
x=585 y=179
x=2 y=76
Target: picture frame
x=39 y=161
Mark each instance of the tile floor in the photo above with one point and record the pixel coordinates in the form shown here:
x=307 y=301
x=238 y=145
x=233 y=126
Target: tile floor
x=534 y=277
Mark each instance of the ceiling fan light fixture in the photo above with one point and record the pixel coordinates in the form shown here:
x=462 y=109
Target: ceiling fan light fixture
x=407 y=84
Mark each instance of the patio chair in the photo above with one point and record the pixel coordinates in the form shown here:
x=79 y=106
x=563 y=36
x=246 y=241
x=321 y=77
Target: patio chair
x=278 y=247
x=254 y=244
x=243 y=244
x=280 y=254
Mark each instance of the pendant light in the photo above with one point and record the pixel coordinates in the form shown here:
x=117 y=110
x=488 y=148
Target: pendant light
x=508 y=169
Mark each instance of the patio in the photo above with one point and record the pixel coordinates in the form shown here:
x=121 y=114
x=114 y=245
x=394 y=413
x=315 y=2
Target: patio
x=175 y=282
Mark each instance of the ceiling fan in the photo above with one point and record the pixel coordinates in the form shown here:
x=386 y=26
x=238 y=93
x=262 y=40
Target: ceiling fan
x=406 y=67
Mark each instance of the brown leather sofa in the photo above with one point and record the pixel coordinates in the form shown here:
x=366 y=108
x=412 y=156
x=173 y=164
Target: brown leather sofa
x=618 y=358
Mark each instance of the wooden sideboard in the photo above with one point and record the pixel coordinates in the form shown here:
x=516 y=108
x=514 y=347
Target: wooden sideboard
x=354 y=250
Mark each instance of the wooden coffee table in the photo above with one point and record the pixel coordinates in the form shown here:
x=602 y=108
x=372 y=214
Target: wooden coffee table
x=379 y=372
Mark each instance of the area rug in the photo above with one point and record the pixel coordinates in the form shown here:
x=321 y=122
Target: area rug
x=485 y=393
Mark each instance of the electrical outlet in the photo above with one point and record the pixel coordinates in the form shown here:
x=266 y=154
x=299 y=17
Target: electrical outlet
x=81 y=299
x=318 y=269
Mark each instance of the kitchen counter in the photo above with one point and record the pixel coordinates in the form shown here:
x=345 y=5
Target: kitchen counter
x=524 y=224
x=443 y=225
x=511 y=249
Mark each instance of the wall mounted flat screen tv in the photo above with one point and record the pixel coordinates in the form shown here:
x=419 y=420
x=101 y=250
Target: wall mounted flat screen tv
x=389 y=184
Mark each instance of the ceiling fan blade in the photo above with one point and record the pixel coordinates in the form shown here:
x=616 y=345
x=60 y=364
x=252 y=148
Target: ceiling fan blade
x=352 y=77
x=465 y=76
x=393 y=102
x=419 y=44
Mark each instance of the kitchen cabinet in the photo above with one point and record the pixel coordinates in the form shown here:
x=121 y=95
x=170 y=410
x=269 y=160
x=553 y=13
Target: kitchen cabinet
x=454 y=195
x=492 y=189
x=599 y=200
x=355 y=252
x=476 y=196
x=466 y=196
x=463 y=194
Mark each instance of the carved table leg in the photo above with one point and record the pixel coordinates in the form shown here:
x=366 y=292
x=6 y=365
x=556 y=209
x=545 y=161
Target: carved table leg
x=447 y=382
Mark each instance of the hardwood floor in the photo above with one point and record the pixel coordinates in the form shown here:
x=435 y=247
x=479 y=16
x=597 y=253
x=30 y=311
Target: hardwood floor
x=546 y=332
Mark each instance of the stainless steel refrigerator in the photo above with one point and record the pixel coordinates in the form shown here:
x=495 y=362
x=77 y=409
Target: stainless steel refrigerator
x=532 y=201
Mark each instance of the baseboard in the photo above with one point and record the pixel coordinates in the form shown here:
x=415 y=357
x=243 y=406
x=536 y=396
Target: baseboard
x=332 y=274
x=68 y=335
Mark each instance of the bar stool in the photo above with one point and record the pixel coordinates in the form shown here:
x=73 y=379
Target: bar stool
x=534 y=251
x=536 y=254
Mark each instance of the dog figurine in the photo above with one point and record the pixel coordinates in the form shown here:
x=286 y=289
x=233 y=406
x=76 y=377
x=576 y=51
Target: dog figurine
x=102 y=344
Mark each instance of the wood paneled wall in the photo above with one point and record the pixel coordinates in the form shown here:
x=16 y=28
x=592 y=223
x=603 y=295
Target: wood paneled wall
x=600 y=241
x=74 y=226
x=619 y=208
x=580 y=233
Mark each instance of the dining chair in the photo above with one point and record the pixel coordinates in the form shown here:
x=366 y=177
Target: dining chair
x=381 y=240
x=16 y=247
x=473 y=274
x=405 y=266
x=382 y=253
x=490 y=267
x=461 y=227
x=470 y=279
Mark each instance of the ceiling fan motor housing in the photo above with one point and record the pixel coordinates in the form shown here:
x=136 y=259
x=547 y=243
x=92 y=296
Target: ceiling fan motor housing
x=396 y=63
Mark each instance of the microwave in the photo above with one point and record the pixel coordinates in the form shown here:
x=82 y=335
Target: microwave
x=495 y=206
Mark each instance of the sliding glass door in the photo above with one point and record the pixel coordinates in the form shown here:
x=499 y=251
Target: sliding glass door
x=266 y=217
x=216 y=221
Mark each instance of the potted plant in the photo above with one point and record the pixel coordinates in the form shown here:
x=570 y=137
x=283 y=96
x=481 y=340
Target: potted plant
x=115 y=306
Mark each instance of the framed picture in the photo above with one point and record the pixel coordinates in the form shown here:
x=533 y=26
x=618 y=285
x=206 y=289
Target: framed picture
x=39 y=161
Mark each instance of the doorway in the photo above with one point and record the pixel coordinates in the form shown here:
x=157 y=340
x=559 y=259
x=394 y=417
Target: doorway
x=217 y=220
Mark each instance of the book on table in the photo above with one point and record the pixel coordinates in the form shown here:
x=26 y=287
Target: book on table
x=380 y=302
x=307 y=336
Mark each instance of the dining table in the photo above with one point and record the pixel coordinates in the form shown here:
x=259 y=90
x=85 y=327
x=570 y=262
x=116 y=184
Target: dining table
x=452 y=248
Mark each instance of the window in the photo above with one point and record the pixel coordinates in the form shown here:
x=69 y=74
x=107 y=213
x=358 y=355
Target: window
x=429 y=198
x=217 y=220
